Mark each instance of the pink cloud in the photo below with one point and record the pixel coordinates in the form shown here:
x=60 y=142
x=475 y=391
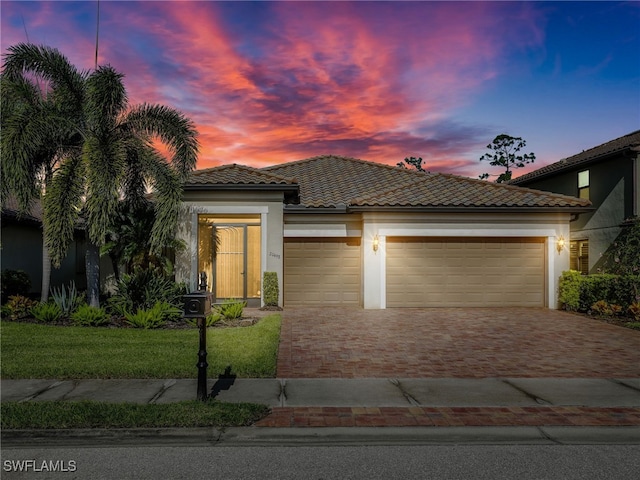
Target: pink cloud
x=371 y=80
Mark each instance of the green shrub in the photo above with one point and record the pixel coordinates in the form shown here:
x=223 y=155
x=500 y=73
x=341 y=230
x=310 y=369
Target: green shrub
x=88 y=316
x=211 y=319
x=143 y=289
x=569 y=290
x=154 y=317
x=581 y=292
x=169 y=312
x=270 y=289
x=46 y=312
x=5 y=311
x=231 y=309
x=69 y=300
x=594 y=288
x=20 y=306
x=14 y=282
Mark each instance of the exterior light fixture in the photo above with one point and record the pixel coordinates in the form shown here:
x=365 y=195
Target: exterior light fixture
x=376 y=243
x=560 y=244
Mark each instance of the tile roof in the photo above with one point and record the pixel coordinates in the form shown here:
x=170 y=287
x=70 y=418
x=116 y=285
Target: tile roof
x=334 y=181
x=330 y=180
x=626 y=142
x=11 y=208
x=235 y=174
x=442 y=190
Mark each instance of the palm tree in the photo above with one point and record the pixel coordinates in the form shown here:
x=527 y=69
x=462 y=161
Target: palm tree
x=37 y=119
x=111 y=155
x=129 y=245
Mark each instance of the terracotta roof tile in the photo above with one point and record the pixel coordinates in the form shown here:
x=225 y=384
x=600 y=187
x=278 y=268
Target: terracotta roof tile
x=332 y=181
x=235 y=174
x=626 y=142
x=442 y=190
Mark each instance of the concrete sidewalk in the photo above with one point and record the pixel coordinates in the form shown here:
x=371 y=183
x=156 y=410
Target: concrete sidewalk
x=494 y=410
x=340 y=392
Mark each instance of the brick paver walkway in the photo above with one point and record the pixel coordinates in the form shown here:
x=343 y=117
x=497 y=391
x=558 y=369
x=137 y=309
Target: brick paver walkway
x=447 y=342
x=450 y=416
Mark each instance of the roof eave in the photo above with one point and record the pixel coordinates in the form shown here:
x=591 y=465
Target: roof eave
x=458 y=209
x=241 y=186
x=570 y=166
x=315 y=210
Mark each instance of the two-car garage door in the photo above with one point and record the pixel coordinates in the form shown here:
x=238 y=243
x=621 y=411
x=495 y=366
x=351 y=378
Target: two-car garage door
x=420 y=272
x=465 y=272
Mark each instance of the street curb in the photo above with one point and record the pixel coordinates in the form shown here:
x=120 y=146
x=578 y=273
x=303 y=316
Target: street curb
x=324 y=436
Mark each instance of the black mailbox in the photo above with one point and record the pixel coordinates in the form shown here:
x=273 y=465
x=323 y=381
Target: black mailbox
x=197 y=304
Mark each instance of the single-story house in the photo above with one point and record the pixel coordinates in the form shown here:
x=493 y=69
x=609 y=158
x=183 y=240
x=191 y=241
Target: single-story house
x=343 y=231
x=609 y=176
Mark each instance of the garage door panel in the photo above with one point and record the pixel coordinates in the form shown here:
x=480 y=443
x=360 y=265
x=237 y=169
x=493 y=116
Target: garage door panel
x=322 y=272
x=424 y=272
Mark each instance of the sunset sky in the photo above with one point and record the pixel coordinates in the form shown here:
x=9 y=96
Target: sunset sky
x=269 y=82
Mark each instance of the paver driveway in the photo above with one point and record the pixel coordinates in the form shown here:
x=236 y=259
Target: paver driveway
x=332 y=342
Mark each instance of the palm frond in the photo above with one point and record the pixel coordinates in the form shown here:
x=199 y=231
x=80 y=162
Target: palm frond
x=49 y=64
x=104 y=160
x=62 y=203
x=167 y=188
x=172 y=128
x=106 y=98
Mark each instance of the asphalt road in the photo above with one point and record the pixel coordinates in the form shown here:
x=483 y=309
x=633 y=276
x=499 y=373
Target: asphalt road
x=580 y=462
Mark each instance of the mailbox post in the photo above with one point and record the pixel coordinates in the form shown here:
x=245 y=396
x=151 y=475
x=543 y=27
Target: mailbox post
x=198 y=305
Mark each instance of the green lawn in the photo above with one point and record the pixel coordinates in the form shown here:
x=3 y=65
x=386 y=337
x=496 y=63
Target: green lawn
x=43 y=415
x=42 y=351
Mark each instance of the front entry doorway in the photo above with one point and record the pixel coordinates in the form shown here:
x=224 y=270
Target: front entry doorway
x=229 y=253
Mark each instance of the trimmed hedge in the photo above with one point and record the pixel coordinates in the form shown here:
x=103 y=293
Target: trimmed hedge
x=271 y=290
x=579 y=292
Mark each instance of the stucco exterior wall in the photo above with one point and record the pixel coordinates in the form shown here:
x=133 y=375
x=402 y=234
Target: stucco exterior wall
x=613 y=191
x=266 y=204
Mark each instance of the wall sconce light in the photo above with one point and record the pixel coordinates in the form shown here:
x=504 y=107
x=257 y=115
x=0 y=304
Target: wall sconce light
x=376 y=243
x=560 y=244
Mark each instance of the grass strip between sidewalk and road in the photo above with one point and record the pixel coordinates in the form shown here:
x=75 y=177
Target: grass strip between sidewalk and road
x=90 y=414
x=43 y=351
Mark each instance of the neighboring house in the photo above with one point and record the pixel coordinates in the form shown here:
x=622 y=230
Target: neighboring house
x=342 y=231
x=609 y=176
x=21 y=248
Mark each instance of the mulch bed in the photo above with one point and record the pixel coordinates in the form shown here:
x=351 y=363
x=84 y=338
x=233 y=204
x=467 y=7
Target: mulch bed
x=120 y=322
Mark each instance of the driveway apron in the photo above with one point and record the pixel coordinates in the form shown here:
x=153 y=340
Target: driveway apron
x=336 y=342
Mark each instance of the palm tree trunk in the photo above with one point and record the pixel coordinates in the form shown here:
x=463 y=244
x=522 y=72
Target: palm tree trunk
x=46 y=273
x=92 y=263
x=46 y=258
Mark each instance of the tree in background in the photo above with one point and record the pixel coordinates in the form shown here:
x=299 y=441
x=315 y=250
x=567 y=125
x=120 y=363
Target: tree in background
x=623 y=257
x=107 y=155
x=412 y=162
x=504 y=154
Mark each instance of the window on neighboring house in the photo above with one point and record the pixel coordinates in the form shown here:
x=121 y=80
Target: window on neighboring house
x=580 y=256
x=583 y=184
